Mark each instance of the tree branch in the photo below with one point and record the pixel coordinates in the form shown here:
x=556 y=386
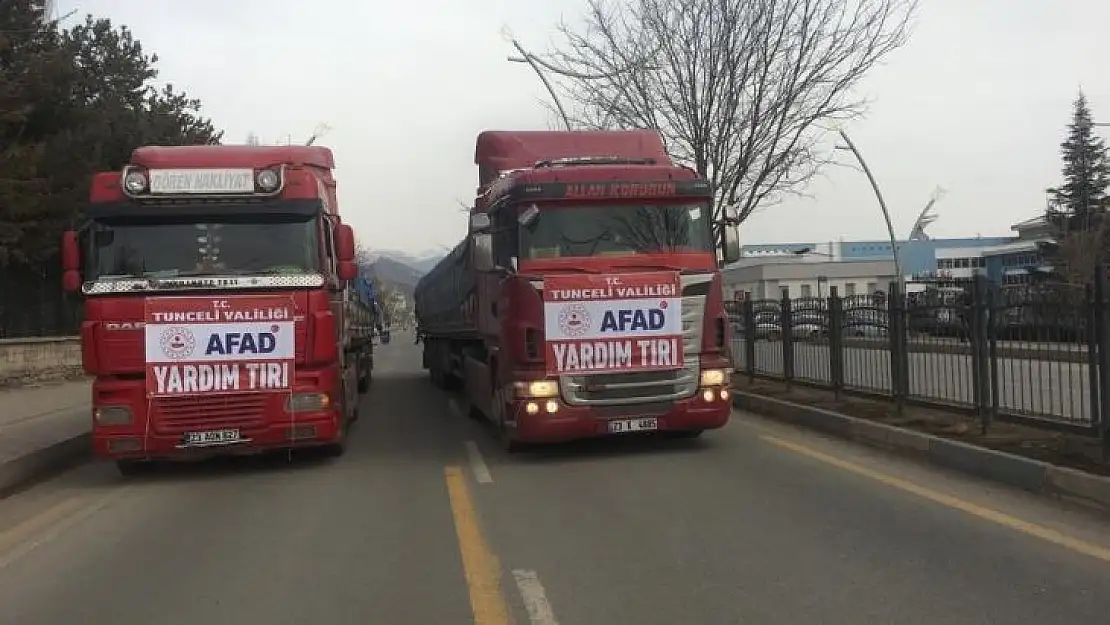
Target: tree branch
x=737 y=89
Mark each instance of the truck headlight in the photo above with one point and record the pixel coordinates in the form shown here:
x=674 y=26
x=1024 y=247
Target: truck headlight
x=307 y=402
x=537 y=388
x=715 y=377
x=113 y=415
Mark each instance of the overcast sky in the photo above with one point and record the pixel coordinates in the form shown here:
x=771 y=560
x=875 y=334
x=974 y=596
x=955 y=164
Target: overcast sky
x=976 y=103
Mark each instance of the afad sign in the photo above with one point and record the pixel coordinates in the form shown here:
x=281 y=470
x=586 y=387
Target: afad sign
x=239 y=344
x=613 y=323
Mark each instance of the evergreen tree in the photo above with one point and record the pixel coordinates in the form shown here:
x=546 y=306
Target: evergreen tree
x=1078 y=207
x=1086 y=172
x=73 y=103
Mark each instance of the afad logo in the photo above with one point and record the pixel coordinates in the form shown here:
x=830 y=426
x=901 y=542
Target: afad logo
x=634 y=319
x=242 y=343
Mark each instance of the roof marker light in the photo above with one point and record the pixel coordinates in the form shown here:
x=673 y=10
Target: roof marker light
x=268 y=180
x=134 y=182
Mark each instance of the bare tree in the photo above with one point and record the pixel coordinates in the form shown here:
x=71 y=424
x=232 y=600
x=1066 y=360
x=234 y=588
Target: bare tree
x=739 y=89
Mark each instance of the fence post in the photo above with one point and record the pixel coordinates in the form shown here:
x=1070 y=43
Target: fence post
x=980 y=361
x=836 y=341
x=994 y=325
x=786 y=323
x=899 y=350
x=750 y=329
x=1102 y=337
x=1092 y=336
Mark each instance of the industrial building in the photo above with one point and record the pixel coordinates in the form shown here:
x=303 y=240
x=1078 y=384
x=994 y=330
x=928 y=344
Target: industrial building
x=857 y=267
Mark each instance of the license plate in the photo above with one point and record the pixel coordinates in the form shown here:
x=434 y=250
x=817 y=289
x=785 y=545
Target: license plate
x=213 y=437
x=644 y=424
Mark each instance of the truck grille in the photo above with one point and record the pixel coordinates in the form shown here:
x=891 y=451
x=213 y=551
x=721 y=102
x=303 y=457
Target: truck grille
x=176 y=415
x=611 y=389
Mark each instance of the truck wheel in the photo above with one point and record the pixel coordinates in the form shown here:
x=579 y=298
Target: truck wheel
x=439 y=378
x=504 y=439
x=133 y=468
x=365 y=373
x=337 y=449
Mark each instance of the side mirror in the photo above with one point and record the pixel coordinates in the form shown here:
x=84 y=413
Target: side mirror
x=71 y=251
x=482 y=249
x=480 y=222
x=71 y=262
x=344 y=244
x=730 y=243
x=71 y=281
x=348 y=270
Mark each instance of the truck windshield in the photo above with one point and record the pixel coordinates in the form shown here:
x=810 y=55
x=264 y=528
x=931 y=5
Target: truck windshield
x=169 y=247
x=617 y=229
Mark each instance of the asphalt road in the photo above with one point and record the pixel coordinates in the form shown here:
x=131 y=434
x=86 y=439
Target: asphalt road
x=425 y=521
x=1037 y=387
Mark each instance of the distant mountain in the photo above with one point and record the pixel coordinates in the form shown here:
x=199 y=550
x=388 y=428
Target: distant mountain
x=399 y=270
x=421 y=261
x=425 y=265
x=386 y=272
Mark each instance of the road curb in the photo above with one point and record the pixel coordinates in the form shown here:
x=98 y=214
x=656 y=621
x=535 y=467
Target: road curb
x=65 y=454
x=1030 y=475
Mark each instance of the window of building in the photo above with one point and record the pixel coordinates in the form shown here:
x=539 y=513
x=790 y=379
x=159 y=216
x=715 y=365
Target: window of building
x=807 y=290
x=850 y=289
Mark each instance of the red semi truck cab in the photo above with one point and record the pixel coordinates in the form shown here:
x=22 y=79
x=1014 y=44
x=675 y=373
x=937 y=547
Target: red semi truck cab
x=588 y=291
x=218 y=316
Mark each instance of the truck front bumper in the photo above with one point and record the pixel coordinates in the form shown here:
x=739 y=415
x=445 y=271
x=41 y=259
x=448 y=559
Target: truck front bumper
x=306 y=430
x=708 y=409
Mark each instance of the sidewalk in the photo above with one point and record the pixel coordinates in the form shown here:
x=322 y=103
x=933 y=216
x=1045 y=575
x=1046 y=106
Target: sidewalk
x=40 y=427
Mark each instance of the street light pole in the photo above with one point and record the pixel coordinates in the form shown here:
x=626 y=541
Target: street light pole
x=882 y=204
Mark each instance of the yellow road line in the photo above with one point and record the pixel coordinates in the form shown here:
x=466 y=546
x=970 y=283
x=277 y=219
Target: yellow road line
x=44 y=519
x=480 y=565
x=1032 y=529
x=47 y=525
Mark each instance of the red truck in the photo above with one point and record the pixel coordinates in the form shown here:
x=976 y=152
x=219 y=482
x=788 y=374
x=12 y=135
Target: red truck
x=586 y=299
x=219 y=316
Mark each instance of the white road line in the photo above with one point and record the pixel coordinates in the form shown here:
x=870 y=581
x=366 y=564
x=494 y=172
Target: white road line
x=478 y=464
x=535 y=599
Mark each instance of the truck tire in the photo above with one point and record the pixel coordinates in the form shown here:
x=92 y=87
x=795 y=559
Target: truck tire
x=337 y=449
x=365 y=379
x=504 y=439
x=133 y=468
x=334 y=450
x=439 y=377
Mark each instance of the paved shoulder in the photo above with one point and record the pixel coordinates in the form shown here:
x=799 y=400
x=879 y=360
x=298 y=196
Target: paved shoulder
x=39 y=427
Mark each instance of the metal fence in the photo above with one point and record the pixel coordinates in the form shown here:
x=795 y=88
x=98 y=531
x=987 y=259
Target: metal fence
x=32 y=303
x=1036 y=354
